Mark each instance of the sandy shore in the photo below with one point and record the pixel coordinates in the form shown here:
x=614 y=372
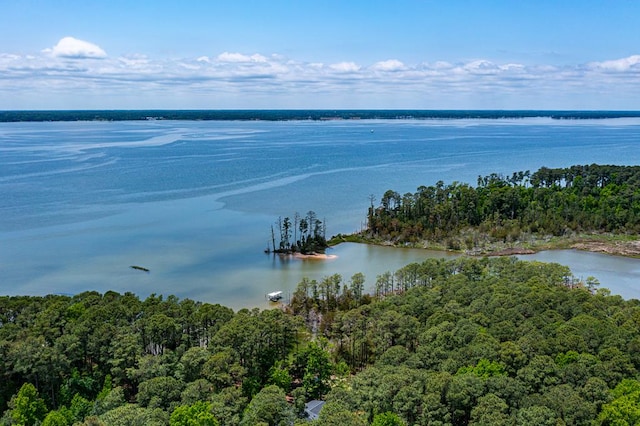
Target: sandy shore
x=616 y=248
x=315 y=256
x=510 y=252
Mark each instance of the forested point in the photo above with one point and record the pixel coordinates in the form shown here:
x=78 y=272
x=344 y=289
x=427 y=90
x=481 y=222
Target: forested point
x=304 y=235
x=515 y=210
x=470 y=341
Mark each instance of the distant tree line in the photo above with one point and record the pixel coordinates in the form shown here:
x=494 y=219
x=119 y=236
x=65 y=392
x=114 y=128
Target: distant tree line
x=589 y=198
x=305 y=234
x=298 y=114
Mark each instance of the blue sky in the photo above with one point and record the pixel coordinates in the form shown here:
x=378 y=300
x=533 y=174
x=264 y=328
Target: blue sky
x=453 y=54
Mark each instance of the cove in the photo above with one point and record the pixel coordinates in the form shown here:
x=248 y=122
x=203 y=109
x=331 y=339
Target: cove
x=193 y=201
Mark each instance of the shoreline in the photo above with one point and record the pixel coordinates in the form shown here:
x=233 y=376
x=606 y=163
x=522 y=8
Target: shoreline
x=314 y=256
x=629 y=249
x=308 y=256
x=609 y=246
x=615 y=245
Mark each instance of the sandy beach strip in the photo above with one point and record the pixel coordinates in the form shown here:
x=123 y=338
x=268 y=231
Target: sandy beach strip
x=315 y=256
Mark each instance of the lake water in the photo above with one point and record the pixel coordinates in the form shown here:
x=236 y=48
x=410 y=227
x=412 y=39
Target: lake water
x=193 y=201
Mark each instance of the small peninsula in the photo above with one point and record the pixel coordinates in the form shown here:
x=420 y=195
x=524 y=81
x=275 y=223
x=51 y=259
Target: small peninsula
x=587 y=207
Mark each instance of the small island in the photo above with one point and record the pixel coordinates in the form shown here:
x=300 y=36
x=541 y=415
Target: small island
x=586 y=207
x=304 y=237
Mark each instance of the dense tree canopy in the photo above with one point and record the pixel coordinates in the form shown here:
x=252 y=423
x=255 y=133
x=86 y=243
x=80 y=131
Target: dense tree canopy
x=462 y=342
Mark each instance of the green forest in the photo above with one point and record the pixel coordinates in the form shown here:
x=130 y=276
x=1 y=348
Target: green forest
x=590 y=199
x=471 y=341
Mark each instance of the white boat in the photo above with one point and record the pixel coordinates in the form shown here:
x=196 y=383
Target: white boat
x=275 y=296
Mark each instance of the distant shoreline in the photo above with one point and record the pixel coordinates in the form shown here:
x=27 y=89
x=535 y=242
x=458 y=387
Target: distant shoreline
x=302 y=114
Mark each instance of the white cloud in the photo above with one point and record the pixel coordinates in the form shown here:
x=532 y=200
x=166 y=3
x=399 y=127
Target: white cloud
x=25 y=80
x=389 y=65
x=512 y=67
x=239 y=57
x=134 y=61
x=69 y=47
x=481 y=66
x=624 y=64
x=345 y=67
x=440 y=65
x=189 y=66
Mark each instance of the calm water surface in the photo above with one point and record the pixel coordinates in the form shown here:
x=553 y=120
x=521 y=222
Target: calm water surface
x=194 y=201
